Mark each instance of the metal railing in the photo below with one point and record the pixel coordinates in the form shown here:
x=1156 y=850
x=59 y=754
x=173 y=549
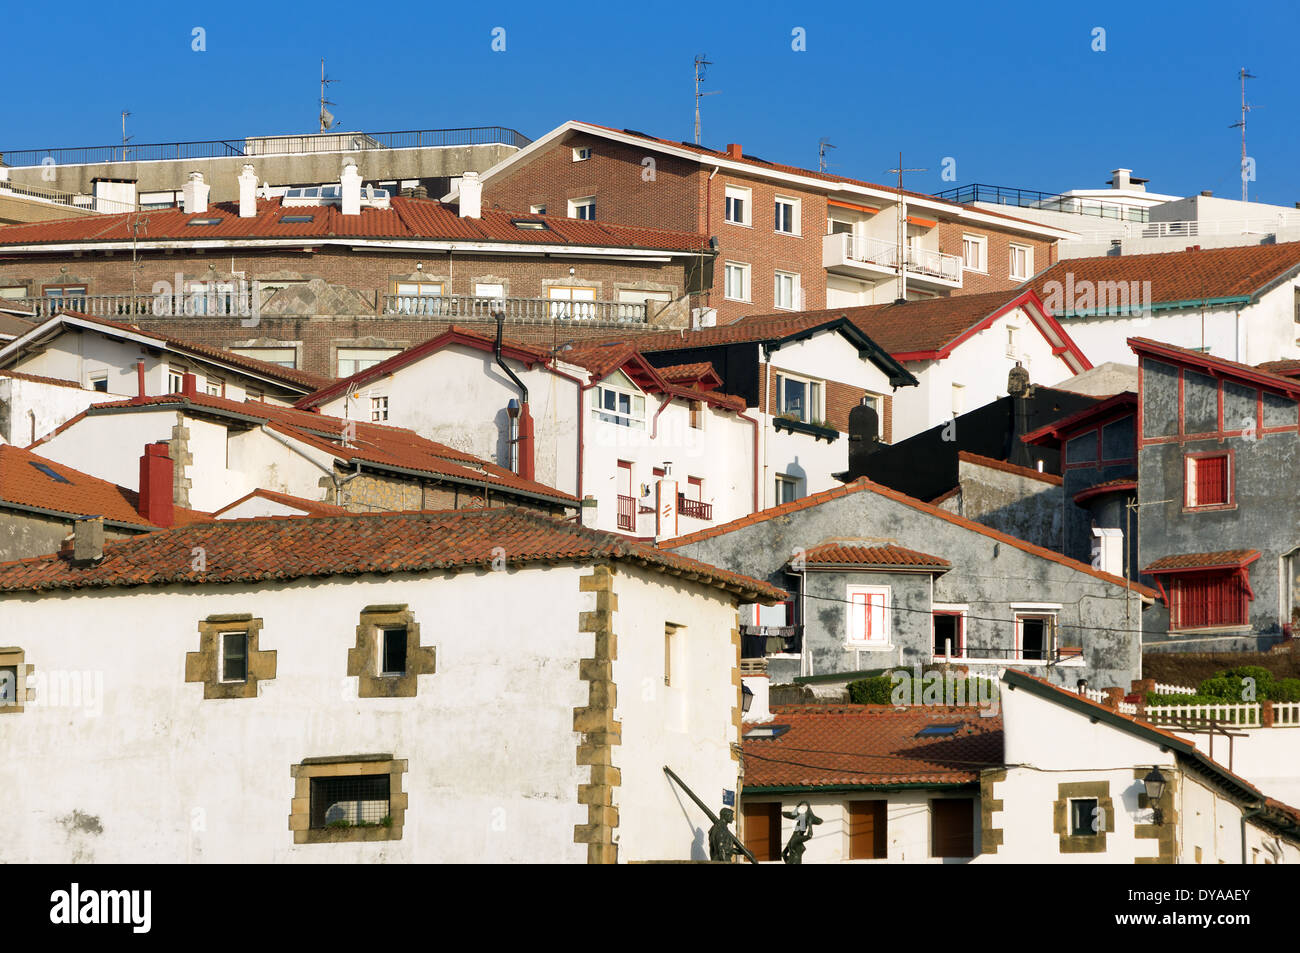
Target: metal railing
x=627 y=513
x=694 y=508
x=91 y=203
x=1048 y=201
x=472 y=306
x=878 y=251
x=291 y=145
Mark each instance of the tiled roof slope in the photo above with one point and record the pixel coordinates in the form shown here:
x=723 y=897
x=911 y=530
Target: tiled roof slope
x=1239 y=271
x=25 y=482
x=850 y=553
x=1028 y=472
x=861 y=745
x=309 y=507
x=408 y=218
x=1218 y=560
x=295 y=547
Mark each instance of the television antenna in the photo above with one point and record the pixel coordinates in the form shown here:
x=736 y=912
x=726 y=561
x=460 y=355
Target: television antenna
x=1243 y=74
x=902 y=229
x=125 y=137
x=702 y=62
x=326 y=117
x=822 y=146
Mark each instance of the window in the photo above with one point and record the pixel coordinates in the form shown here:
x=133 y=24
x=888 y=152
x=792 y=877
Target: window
x=949 y=635
x=737 y=205
x=1204 y=600
x=1083 y=817
x=99 y=382
x=1034 y=636
x=1208 y=480
x=581 y=153
x=627 y=501
x=798 y=399
x=378 y=409
x=234 y=656
x=868 y=615
x=296 y=219
x=393 y=651
x=787 y=216
x=958 y=399
x=1011 y=341
x=572 y=302
x=787 y=489
x=616 y=402
x=351 y=798
x=489 y=289
x=867 y=830
x=537 y=209
x=351 y=360
x=168 y=199
x=214 y=387
x=175 y=379
x=13 y=681
x=696 y=414
x=279 y=356
x=763 y=830
x=974 y=252
x=584 y=208
x=49 y=471
x=72 y=297
x=952 y=827
x=1022 y=261
x=418 y=297
x=786 y=295
x=736 y=276
x=670 y=633
x=204 y=221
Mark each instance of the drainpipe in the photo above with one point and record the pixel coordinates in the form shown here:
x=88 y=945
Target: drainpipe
x=1245 y=816
x=328 y=471
x=582 y=396
x=753 y=423
x=523 y=438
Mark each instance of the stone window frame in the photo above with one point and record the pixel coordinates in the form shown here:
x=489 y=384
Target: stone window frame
x=1082 y=843
x=364 y=660
x=355 y=765
x=205 y=664
x=16 y=657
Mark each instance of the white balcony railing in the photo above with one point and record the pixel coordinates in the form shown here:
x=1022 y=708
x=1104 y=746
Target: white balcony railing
x=878 y=251
x=537 y=308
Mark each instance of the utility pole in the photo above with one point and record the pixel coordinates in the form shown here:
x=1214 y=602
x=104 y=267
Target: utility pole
x=822 y=146
x=902 y=230
x=1243 y=75
x=701 y=63
x=326 y=117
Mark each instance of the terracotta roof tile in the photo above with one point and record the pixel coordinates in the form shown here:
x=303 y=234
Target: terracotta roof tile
x=851 y=553
x=37 y=379
x=864 y=745
x=309 y=507
x=1005 y=467
x=1224 y=559
x=295 y=547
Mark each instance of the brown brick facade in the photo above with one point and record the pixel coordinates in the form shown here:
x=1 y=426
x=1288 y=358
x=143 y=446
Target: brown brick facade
x=999 y=256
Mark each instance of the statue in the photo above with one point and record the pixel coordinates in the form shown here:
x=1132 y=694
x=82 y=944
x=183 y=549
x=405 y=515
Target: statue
x=804 y=819
x=722 y=843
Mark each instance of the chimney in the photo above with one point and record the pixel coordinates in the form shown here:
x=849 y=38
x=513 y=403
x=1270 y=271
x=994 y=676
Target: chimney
x=155 y=503
x=1209 y=195
x=1108 y=550
x=350 y=191
x=1019 y=389
x=189 y=385
x=666 y=505
x=1119 y=178
x=194 y=194
x=587 y=512
x=733 y=150
x=471 y=196
x=88 y=540
x=139 y=375
x=247 y=192
x=864 y=430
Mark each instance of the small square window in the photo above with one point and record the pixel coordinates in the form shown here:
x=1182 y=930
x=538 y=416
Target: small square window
x=584 y=209
x=393 y=655
x=234 y=656
x=787 y=489
x=378 y=409
x=1208 y=481
x=1084 y=817
x=1022 y=261
x=346 y=802
x=581 y=153
x=100 y=383
x=8 y=686
x=737 y=205
x=537 y=209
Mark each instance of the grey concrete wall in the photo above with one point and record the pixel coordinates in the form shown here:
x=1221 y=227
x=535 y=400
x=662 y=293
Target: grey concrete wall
x=1021 y=506
x=826 y=620
x=23 y=535
x=988 y=575
x=221 y=173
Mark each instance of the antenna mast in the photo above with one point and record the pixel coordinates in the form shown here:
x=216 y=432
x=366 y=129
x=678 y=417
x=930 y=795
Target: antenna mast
x=902 y=230
x=125 y=137
x=822 y=146
x=326 y=117
x=1243 y=75
x=701 y=63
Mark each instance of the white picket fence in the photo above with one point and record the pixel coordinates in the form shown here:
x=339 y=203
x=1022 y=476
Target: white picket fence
x=1240 y=715
x=1163 y=689
x=1286 y=714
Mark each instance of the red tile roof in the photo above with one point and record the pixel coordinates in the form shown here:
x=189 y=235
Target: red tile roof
x=700 y=374
x=1224 y=559
x=369 y=444
x=1059 y=430
x=1236 y=272
x=37 y=379
x=1220 y=366
x=295 y=547
x=408 y=218
x=860 y=554
x=309 y=507
x=1005 y=467
x=24 y=482
x=863 y=485
x=1122 y=485
x=871 y=745
x=1287 y=368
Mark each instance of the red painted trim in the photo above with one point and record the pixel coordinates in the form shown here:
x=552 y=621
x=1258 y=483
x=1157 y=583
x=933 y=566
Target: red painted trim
x=1098 y=415
x=1127 y=486
x=1141 y=437
x=1216 y=366
x=1182 y=424
x=1230 y=476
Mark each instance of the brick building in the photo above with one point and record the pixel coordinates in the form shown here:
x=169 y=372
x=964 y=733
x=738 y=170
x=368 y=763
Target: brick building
x=787 y=238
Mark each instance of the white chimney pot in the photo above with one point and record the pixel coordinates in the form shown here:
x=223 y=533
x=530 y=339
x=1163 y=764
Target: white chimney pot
x=350 y=180
x=247 y=192
x=194 y=194
x=471 y=196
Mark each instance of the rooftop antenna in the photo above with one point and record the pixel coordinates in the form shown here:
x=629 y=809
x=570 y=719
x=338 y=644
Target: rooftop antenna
x=125 y=137
x=326 y=117
x=902 y=230
x=701 y=63
x=1243 y=74
x=822 y=146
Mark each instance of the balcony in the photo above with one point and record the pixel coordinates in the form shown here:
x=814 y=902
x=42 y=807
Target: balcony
x=877 y=259
x=694 y=508
x=519 y=309
x=236 y=302
x=627 y=513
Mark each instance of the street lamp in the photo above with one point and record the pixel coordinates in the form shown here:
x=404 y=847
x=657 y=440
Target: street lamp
x=746 y=699
x=1155 y=784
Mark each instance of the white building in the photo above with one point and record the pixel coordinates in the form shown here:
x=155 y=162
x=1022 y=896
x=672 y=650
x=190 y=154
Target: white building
x=593 y=421
x=31 y=405
x=355 y=689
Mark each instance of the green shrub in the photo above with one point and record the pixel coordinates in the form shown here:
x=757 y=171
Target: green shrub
x=1285 y=690
x=875 y=690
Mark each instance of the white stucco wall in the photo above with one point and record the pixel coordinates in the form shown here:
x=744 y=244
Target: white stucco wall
x=34 y=409
x=1268 y=758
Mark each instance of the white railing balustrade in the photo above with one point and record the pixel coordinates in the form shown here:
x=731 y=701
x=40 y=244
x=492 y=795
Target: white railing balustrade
x=1228 y=713
x=878 y=251
x=468 y=306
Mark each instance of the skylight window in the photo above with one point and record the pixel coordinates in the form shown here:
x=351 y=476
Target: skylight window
x=938 y=731
x=57 y=478
x=767 y=731
x=204 y=221
x=528 y=223
x=296 y=219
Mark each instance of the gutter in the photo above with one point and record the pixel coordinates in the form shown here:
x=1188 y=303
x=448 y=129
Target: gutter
x=837 y=788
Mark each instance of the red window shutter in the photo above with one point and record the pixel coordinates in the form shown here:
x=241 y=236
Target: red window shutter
x=1211 y=481
x=1210 y=599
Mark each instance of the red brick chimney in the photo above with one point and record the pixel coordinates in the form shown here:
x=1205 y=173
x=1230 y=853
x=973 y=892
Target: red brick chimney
x=524 y=444
x=733 y=150
x=156 y=470
x=189 y=385
x=139 y=375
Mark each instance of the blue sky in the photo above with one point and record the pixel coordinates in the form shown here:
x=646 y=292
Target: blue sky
x=1013 y=92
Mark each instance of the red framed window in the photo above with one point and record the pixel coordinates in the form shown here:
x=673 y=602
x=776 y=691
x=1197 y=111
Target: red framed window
x=868 y=615
x=1208 y=480
x=1211 y=599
